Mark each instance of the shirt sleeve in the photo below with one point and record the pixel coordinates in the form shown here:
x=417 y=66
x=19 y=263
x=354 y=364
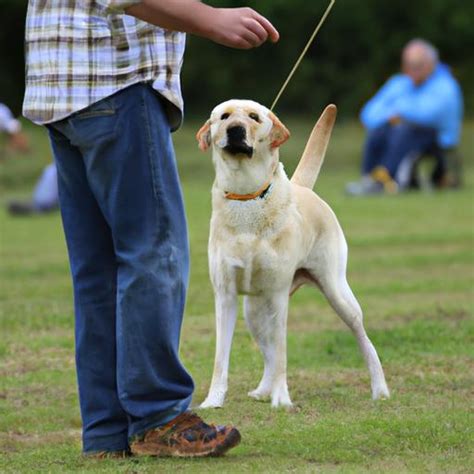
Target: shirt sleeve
x=381 y=106
x=117 y=5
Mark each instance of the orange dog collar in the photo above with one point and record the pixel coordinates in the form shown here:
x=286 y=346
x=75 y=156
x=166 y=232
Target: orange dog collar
x=247 y=197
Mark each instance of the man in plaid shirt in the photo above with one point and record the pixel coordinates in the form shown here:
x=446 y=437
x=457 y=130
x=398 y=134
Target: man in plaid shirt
x=103 y=76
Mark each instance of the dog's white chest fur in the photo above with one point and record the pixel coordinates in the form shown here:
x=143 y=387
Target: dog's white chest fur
x=249 y=242
x=250 y=265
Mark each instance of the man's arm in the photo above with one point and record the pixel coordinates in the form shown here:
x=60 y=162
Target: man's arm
x=380 y=108
x=241 y=28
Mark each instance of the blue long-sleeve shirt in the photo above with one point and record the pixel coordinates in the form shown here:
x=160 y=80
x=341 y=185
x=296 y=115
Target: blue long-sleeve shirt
x=436 y=103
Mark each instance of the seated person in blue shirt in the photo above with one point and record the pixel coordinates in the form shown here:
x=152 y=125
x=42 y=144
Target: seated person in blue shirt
x=416 y=112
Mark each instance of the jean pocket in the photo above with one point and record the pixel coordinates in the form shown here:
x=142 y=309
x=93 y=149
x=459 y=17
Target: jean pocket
x=95 y=113
x=104 y=107
x=95 y=126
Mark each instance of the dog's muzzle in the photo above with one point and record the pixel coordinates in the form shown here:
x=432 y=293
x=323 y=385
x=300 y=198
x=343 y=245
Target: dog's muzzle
x=236 y=142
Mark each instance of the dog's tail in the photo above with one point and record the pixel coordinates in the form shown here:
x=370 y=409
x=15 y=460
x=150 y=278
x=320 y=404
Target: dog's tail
x=310 y=163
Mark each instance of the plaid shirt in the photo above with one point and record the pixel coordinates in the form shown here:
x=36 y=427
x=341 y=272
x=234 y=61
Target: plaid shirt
x=79 y=52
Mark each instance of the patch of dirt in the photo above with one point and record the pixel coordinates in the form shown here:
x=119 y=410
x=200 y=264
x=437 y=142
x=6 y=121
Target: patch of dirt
x=13 y=441
x=448 y=317
x=23 y=360
x=310 y=317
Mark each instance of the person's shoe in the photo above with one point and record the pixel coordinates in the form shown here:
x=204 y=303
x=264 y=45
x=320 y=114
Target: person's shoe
x=186 y=436
x=109 y=454
x=381 y=175
x=378 y=182
x=365 y=186
x=20 y=208
x=26 y=208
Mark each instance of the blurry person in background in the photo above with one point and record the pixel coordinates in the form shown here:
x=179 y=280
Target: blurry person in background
x=415 y=113
x=17 y=140
x=45 y=195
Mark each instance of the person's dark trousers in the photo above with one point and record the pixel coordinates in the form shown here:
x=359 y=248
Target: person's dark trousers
x=388 y=145
x=125 y=228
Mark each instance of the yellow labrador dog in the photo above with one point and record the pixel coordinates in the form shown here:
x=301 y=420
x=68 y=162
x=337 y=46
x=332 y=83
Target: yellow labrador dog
x=269 y=236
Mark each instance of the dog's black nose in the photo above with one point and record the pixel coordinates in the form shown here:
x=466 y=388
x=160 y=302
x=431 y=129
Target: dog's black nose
x=236 y=134
x=237 y=142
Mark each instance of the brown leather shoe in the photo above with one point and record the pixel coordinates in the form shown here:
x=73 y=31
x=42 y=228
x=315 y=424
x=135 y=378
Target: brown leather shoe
x=186 y=436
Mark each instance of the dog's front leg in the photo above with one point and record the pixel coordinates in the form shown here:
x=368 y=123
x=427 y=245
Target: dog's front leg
x=266 y=317
x=226 y=314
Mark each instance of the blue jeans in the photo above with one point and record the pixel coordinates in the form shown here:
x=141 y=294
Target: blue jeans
x=125 y=228
x=388 y=145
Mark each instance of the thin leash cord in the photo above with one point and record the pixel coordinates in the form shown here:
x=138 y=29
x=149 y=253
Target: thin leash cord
x=308 y=44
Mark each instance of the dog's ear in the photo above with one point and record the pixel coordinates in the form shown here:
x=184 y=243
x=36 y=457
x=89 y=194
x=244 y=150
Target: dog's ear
x=203 y=136
x=279 y=134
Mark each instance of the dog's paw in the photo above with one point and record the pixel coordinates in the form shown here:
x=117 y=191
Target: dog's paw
x=283 y=403
x=380 y=392
x=213 y=401
x=281 y=397
x=258 y=394
x=210 y=404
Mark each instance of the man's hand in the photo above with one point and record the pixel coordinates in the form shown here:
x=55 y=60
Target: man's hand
x=395 y=120
x=241 y=28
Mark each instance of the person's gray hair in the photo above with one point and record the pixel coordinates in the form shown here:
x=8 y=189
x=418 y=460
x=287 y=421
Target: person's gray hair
x=431 y=51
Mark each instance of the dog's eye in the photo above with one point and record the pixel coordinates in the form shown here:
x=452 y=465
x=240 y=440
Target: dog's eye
x=225 y=116
x=254 y=116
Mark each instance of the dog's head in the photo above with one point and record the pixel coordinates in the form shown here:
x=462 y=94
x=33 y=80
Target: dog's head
x=242 y=129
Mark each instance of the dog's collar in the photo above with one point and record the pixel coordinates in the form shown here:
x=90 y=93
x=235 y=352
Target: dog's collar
x=261 y=192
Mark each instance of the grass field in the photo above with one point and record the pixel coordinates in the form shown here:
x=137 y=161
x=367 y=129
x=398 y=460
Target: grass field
x=411 y=266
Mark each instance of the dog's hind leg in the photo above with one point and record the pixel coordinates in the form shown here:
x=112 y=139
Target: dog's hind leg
x=340 y=296
x=266 y=317
x=226 y=314
x=329 y=273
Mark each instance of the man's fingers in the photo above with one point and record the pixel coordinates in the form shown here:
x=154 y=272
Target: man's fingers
x=269 y=28
x=252 y=38
x=238 y=42
x=244 y=44
x=242 y=28
x=255 y=27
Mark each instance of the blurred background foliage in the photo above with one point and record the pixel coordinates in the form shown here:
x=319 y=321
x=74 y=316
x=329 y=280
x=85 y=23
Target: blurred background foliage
x=357 y=49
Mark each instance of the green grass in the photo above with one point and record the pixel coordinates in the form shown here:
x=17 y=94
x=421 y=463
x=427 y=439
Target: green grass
x=410 y=264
